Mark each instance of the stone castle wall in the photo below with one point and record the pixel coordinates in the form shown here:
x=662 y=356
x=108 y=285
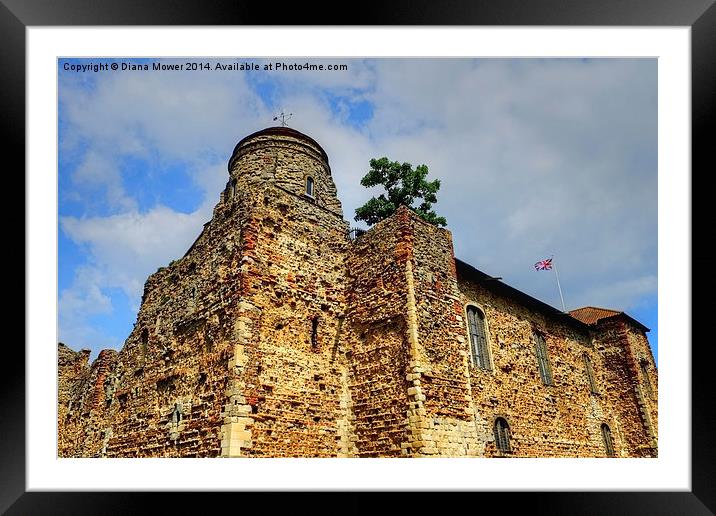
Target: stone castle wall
x=623 y=348
x=86 y=391
x=276 y=335
x=557 y=420
x=377 y=341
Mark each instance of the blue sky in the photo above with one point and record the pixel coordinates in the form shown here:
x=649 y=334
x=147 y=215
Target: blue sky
x=537 y=157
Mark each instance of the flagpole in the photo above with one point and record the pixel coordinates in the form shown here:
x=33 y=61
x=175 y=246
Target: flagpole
x=559 y=287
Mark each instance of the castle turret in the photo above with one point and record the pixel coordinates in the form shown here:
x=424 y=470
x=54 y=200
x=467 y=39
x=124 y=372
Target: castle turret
x=287 y=159
x=288 y=368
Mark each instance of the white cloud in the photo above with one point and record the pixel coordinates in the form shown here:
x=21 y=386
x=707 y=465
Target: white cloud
x=88 y=299
x=76 y=305
x=96 y=172
x=127 y=247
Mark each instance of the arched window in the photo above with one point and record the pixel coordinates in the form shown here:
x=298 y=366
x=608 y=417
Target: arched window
x=309 y=186
x=590 y=373
x=607 y=438
x=478 y=338
x=502 y=435
x=545 y=371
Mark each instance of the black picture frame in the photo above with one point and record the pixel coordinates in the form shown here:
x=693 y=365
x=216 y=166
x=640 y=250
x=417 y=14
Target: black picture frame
x=700 y=15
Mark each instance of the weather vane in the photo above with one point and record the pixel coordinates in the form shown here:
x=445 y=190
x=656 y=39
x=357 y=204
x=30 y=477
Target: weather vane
x=284 y=118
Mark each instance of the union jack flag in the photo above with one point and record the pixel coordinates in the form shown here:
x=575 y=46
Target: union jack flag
x=544 y=265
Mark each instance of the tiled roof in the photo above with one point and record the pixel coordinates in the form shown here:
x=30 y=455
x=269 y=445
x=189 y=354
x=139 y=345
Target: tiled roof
x=592 y=315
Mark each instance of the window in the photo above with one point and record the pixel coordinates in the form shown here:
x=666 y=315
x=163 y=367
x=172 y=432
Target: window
x=645 y=377
x=145 y=341
x=192 y=298
x=309 y=186
x=478 y=338
x=542 y=359
x=502 y=435
x=231 y=190
x=177 y=415
x=590 y=374
x=314 y=332
x=607 y=437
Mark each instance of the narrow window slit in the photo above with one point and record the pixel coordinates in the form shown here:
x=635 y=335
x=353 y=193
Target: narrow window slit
x=314 y=332
x=607 y=438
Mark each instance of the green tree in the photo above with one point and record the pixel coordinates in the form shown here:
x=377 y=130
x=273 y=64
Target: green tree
x=403 y=186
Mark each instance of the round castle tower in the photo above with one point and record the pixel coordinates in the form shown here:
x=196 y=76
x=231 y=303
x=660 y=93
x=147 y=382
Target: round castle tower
x=287 y=374
x=290 y=160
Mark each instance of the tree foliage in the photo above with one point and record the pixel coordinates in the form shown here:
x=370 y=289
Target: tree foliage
x=403 y=186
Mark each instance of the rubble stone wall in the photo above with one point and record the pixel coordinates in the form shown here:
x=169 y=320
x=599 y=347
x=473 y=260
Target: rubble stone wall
x=623 y=347
x=559 y=420
x=377 y=340
x=88 y=391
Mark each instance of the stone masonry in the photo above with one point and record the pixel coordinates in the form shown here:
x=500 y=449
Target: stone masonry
x=281 y=334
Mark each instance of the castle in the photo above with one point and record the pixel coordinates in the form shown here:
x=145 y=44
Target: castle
x=280 y=333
